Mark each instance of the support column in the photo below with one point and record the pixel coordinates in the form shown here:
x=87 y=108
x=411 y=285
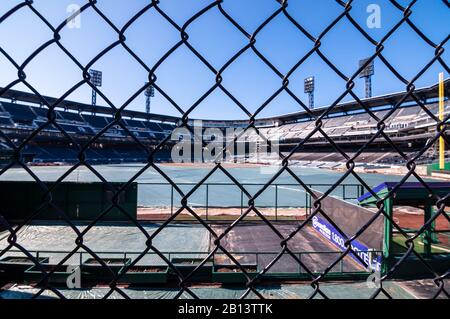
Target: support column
x=429 y=236
x=387 y=245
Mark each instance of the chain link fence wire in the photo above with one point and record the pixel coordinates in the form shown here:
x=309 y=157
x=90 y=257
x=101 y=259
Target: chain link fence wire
x=251 y=286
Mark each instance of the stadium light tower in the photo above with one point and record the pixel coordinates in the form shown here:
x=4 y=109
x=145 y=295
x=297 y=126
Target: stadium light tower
x=96 y=80
x=149 y=93
x=367 y=73
x=309 y=89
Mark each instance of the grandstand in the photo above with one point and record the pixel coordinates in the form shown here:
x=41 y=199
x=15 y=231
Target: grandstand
x=51 y=146
x=348 y=124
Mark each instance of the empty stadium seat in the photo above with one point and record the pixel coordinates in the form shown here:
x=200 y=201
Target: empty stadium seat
x=19 y=112
x=167 y=127
x=71 y=117
x=134 y=124
x=5 y=121
x=153 y=126
x=96 y=121
x=40 y=111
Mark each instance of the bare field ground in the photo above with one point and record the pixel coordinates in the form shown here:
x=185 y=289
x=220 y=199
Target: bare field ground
x=156 y=214
x=416 y=221
x=259 y=242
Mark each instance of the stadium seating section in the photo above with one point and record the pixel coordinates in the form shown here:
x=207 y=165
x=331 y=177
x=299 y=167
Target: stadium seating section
x=345 y=127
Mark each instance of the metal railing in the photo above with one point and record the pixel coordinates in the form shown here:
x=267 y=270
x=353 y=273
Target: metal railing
x=257 y=258
x=278 y=197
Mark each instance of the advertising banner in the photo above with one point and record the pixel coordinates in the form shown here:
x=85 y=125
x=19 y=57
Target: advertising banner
x=331 y=234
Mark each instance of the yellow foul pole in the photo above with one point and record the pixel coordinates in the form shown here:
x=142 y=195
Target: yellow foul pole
x=441 y=118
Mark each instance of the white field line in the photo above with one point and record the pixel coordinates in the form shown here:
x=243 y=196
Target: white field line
x=290 y=189
x=436 y=247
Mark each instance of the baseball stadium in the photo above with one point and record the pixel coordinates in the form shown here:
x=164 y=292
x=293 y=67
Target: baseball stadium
x=342 y=196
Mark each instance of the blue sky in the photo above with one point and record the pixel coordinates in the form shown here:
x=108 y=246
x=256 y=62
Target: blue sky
x=185 y=78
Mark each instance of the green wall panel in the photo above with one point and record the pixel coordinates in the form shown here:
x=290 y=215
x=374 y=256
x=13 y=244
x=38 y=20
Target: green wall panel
x=79 y=201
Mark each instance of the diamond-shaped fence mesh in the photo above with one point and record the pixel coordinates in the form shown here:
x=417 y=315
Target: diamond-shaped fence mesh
x=218 y=235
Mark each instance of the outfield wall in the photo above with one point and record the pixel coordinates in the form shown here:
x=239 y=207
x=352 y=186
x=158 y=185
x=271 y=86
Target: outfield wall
x=79 y=201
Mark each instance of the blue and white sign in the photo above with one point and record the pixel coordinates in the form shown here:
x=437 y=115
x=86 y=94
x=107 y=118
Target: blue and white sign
x=331 y=234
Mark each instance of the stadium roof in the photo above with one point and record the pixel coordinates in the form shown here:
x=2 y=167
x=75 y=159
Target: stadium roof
x=82 y=107
x=423 y=94
x=383 y=100
x=407 y=192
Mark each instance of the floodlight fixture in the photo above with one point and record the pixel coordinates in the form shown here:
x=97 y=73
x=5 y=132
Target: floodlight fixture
x=367 y=73
x=96 y=77
x=309 y=84
x=149 y=93
x=96 y=80
x=369 y=70
x=309 y=89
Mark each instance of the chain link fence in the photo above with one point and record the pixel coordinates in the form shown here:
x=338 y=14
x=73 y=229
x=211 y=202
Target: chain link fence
x=217 y=238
